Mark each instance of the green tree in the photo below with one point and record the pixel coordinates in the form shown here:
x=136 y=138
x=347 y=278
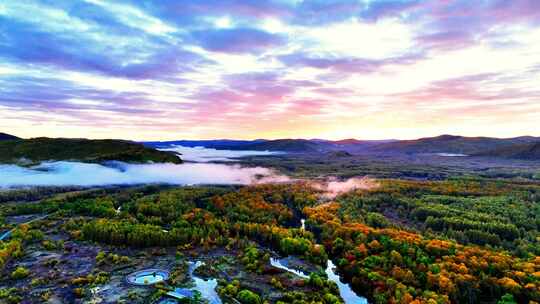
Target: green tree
x=248 y=297
x=20 y=273
x=507 y=299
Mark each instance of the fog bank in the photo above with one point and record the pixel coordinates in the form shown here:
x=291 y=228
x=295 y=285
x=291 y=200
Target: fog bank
x=64 y=173
x=202 y=154
x=333 y=187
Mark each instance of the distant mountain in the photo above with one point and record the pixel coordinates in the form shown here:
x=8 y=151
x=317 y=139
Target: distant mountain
x=339 y=154
x=221 y=144
x=450 y=144
x=527 y=151
x=5 y=136
x=439 y=144
x=286 y=145
x=348 y=141
x=86 y=150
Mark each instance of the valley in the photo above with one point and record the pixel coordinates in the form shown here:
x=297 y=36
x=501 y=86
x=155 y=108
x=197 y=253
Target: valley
x=415 y=228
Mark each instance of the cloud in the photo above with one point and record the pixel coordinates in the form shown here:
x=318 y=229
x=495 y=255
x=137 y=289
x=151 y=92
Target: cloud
x=237 y=40
x=323 y=12
x=172 y=69
x=375 y=10
x=485 y=88
x=192 y=12
x=347 y=64
x=448 y=40
x=26 y=43
x=36 y=93
x=333 y=187
x=117 y=173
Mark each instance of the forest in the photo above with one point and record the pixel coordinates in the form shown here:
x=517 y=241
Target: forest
x=452 y=241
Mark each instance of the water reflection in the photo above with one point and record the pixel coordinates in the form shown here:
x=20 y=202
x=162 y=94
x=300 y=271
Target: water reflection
x=281 y=264
x=207 y=288
x=345 y=290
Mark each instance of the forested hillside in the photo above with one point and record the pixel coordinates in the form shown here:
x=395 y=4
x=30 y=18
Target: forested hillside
x=44 y=149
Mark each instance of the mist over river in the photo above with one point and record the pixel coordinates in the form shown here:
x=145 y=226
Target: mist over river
x=202 y=154
x=63 y=173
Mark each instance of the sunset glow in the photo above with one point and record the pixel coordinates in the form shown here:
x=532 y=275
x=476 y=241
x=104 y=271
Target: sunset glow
x=167 y=70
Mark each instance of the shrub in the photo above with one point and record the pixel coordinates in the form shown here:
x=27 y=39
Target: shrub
x=20 y=273
x=248 y=297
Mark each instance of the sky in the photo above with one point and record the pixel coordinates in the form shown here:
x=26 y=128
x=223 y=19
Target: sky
x=246 y=69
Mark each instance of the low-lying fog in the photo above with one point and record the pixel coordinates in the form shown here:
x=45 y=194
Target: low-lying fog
x=202 y=154
x=64 y=173
x=334 y=187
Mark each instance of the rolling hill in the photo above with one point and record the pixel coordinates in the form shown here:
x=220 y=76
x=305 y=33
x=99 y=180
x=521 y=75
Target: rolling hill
x=5 y=136
x=474 y=146
x=220 y=144
x=450 y=144
x=44 y=149
x=286 y=145
x=527 y=151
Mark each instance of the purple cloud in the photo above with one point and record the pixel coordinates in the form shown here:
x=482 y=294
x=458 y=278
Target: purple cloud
x=36 y=94
x=347 y=64
x=160 y=80
x=24 y=43
x=238 y=40
x=485 y=87
x=376 y=10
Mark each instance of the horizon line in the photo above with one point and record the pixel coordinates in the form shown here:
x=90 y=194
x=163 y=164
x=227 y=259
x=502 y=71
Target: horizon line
x=285 y=138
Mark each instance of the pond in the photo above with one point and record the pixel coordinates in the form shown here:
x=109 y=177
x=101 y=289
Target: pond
x=147 y=277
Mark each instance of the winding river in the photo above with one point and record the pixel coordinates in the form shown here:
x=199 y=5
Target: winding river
x=345 y=290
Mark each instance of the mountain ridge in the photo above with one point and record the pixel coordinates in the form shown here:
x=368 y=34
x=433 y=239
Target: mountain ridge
x=527 y=151
x=76 y=149
x=6 y=136
x=446 y=143
x=451 y=144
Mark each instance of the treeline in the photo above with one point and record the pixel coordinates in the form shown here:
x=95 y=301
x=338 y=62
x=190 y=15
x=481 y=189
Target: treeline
x=32 y=194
